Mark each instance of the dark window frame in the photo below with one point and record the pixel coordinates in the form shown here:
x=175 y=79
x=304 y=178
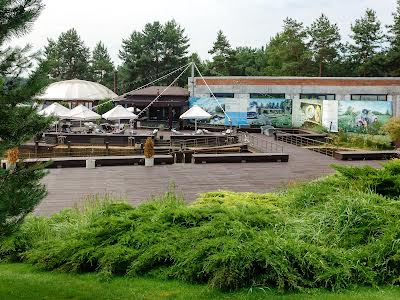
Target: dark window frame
x=317 y=96
x=223 y=95
x=359 y=96
x=267 y=96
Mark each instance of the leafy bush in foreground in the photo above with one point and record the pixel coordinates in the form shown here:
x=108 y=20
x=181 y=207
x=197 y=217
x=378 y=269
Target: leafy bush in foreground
x=331 y=233
x=384 y=181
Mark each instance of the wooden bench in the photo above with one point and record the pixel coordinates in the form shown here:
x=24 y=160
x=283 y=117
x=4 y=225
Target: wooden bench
x=239 y=158
x=366 y=155
x=101 y=161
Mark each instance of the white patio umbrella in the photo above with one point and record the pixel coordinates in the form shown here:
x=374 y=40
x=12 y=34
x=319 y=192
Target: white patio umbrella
x=195 y=113
x=55 y=110
x=119 y=113
x=82 y=113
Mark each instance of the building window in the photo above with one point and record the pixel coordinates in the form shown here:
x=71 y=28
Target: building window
x=369 y=97
x=267 y=96
x=223 y=95
x=318 y=96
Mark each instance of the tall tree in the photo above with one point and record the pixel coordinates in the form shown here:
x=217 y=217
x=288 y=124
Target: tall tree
x=287 y=52
x=20 y=187
x=68 y=57
x=102 y=67
x=324 y=42
x=152 y=53
x=249 y=61
x=222 y=56
x=393 y=55
x=367 y=38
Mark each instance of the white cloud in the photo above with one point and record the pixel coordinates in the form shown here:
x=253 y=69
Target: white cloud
x=246 y=22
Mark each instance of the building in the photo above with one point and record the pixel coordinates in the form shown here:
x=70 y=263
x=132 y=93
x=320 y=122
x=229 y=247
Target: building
x=168 y=108
x=294 y=88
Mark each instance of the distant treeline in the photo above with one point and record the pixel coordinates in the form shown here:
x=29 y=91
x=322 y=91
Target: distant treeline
x=298 y=50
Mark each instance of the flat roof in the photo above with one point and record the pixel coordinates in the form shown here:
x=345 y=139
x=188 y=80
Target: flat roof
x=291 y=81
x=156 y=90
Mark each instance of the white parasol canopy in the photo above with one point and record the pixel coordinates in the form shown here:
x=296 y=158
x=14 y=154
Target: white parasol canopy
x=119 y=113
x=195 y=113
x=56 y=110
x=76 y=90
x=82 y=113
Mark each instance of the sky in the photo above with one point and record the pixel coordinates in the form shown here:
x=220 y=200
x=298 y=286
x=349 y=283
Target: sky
x=245 y=22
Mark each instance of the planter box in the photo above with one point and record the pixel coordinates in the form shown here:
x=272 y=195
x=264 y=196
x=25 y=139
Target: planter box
x=90 y=164
x=149 y=162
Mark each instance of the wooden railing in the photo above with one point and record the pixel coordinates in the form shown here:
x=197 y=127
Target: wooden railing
x=260 y=143
x=213 y=141
x=311 y=144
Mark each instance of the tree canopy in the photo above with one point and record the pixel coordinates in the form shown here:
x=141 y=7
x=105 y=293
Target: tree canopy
x=367 y=38
x=102 y=67
x=149 y=54
x=20 y=187
x=68 y=57
x=324 y=42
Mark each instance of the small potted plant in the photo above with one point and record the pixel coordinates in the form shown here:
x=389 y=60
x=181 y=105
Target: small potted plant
x=393 y=129
x=149 y=152
x=12 y=158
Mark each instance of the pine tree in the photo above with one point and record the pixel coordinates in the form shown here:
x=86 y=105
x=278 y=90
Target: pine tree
x=222 y=56
x=324 y=42
x=287 y=52
x=393 y=55
x=68 y=57
x=367 y=40
x=102 y=67
x=249 y=61
x=152 y=53
x=20 y=188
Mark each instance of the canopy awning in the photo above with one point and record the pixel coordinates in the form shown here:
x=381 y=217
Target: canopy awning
x=76 y=90
x=119 y=113
x=56 y=110
x=82 y=113
x=195 y=113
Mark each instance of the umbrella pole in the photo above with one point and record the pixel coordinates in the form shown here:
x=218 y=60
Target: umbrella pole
x=195 y=124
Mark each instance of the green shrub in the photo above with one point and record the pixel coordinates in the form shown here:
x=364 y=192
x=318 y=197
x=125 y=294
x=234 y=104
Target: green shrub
x=362 y=141
x=331 y=233
x=384 y=181
x=393 y=128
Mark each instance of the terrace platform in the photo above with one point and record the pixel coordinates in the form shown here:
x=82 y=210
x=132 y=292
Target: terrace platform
x=68 y=187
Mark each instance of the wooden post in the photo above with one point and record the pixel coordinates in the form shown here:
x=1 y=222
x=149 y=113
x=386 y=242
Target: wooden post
x=69 y=148
x=107 y=148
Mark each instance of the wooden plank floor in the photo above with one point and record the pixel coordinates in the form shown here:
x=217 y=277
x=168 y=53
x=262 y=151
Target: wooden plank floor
x=68 y=187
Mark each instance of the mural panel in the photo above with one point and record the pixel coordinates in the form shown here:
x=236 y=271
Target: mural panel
x=307 y=112
x=275 y=112
x=359 y=116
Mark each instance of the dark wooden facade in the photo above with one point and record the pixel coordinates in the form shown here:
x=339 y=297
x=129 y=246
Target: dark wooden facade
x=169 y=107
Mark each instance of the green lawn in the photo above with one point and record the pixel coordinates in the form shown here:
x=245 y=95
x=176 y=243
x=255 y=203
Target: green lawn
x=21 y=281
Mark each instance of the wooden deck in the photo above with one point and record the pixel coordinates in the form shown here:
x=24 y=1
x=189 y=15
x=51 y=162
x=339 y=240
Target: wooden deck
x=67 y=187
